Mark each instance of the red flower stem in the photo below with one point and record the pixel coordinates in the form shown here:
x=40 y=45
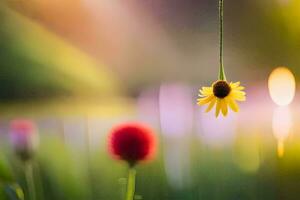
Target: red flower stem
x=131 y=184
x=30 y=180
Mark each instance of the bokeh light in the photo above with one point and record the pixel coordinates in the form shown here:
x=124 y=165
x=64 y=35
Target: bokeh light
x=282 y=123
x=282 y=86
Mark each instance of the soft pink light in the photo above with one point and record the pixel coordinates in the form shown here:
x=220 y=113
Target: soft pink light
x=216 y=132
x=176 y=110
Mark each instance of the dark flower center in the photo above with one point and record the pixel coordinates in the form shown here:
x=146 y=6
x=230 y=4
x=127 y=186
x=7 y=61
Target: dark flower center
x=221 y=89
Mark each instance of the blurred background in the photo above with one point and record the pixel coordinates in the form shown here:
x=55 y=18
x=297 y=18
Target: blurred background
x=78 y=67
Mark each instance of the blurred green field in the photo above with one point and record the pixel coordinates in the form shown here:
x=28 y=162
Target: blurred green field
x=72 y=170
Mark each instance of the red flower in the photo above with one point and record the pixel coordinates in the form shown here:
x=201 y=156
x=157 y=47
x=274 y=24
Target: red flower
x=23 y=137
x=132 y=142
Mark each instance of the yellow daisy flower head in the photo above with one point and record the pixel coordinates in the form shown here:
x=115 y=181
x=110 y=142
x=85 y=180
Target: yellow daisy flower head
x=223 y=95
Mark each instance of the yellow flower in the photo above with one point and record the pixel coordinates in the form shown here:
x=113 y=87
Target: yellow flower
x=222 y=94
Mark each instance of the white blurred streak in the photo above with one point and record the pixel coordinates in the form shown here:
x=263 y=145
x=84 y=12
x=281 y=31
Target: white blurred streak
x=176 y=119
x=177 y=164
x=216 y=132
x=176 y=110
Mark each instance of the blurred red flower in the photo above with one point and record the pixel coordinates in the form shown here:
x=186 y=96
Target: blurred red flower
x=132 y=142
x=23 y=137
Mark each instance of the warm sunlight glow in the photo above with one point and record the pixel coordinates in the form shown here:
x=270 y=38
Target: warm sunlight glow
x=282 y=122
x=282 y=86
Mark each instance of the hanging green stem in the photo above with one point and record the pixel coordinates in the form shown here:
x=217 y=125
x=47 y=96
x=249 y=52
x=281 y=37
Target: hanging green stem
x=221 y=16
x=131 y=184
x=30 y=180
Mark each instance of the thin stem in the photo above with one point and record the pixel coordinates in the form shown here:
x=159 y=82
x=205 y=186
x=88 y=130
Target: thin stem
x=88 y=159
x=30 y=180
x=131 y=184
x=221 y=30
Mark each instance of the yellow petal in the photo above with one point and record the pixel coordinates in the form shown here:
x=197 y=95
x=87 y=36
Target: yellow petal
x=232 y=104
x=206 y=88
x=239 y=92
x=238 y=97
x=201 y=95
x=211 y=105
x=240 y=88
x=203 y=101
x=218 y=107
x=206 y=91
x=224 y=107
x=234 y=85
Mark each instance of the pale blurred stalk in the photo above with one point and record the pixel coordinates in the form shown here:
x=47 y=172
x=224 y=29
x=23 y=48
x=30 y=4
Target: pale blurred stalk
x=30 y=180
